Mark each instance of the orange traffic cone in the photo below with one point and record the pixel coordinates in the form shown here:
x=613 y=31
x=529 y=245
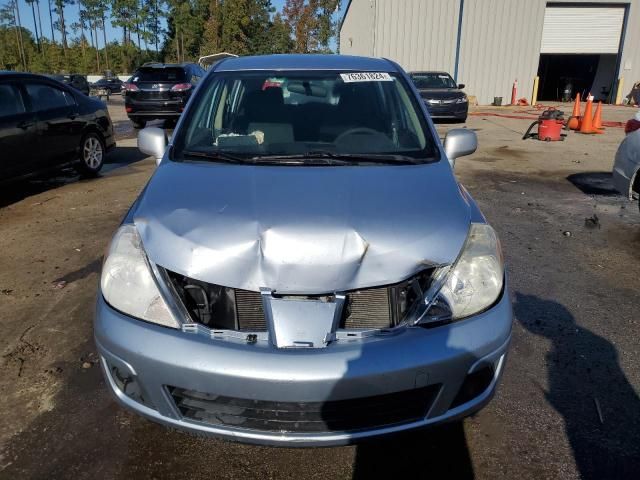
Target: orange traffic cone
x=574 y=120
x=586 y=125
x=597 y=119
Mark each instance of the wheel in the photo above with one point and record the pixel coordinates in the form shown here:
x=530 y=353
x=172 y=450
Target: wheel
x=137 y=123
x=92 y=154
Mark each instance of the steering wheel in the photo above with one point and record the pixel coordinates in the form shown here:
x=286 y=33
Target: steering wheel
x=356 y=131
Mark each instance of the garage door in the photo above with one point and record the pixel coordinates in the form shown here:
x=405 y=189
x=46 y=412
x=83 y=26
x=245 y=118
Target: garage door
x=582 y=29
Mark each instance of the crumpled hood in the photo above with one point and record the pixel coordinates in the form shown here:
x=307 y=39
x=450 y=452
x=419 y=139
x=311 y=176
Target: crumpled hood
x=301 y=229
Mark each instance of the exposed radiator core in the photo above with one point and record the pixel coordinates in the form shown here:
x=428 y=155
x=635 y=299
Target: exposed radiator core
x=368 y=309
x=221 y=307
x=249 y=311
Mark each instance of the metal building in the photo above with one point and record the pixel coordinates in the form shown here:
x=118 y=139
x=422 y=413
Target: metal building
x=580 y=46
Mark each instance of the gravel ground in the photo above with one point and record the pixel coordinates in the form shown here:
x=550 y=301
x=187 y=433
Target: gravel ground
x=572 y=247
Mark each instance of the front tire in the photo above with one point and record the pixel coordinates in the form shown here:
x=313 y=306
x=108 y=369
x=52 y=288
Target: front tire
x=92 y=153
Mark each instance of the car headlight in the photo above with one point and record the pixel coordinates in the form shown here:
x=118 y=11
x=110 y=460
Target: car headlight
x=128 y=284
x=472 y=284
x=462 y=100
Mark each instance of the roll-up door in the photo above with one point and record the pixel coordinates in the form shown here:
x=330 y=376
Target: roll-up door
x=582 y=29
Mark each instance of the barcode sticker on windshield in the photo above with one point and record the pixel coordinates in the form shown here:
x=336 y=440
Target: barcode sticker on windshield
x=366 y=77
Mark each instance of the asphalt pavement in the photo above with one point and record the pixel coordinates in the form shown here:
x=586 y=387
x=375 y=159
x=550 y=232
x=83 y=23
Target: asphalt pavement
x=568 y=405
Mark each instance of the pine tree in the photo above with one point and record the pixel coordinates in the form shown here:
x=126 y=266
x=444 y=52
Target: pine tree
x=60 y=24
x=212 y=40
x=280 y=36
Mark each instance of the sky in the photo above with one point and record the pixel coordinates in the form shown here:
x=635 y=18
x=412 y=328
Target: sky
x=71 y=16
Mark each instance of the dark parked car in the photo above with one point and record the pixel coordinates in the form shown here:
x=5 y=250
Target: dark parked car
x=160 y=91
x=444 y=99
x=45 y=124
x=79 y=82
x=113 y=85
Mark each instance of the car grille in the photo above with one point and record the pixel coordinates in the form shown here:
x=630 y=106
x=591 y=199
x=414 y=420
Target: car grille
x=152 y=95
x=364 y=309
x=227 y=308
x=312 y=417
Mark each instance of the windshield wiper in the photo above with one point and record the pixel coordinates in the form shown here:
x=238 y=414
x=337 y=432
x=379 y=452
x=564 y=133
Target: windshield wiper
x=345 y=157
x=217 y=155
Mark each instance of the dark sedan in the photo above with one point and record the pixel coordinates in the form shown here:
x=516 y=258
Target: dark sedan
x=444 y=99
x=45 y=124
x=113 y=85
x=76 y=81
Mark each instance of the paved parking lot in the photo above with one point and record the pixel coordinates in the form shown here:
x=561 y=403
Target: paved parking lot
x=569 y=402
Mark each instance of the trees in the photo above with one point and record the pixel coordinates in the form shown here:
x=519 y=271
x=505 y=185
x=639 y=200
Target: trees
x=60 y=24
x=193 y=28
x=312 y=23
x=35 y=23
x=280 y=34
x=212 y=37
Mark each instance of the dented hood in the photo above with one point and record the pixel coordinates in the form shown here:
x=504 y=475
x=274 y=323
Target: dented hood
x=300 y=229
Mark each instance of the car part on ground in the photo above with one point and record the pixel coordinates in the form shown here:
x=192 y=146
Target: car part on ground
x=45 y=125
x=303 y=268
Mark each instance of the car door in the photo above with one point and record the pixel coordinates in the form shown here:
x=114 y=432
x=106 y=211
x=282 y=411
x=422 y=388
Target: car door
x=18 y=138
x=59 y=125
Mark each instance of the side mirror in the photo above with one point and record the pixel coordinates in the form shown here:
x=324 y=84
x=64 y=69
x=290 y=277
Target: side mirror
x=458 y=143
x=461 y=86
x=153 y=141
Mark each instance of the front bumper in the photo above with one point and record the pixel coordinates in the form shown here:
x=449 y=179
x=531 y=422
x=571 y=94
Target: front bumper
x=160 y=108
x=452 y=111
x=156 y=358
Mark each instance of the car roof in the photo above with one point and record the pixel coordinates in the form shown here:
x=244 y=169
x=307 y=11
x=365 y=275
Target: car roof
x=430 y=72
x=306 y=62
x=8 y=74
x=165 y=65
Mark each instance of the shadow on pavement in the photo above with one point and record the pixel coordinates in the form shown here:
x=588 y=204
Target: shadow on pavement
x=593 y=183
x=19 y=190
x=439 y=452
x=588 y=387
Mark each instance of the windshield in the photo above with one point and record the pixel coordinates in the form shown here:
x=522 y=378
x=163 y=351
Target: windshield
x=433 y=80
x=287 y=116
x=159 y=74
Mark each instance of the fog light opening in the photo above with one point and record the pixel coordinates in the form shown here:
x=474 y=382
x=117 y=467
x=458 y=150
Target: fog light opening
x=474 y=384
x=128 y=385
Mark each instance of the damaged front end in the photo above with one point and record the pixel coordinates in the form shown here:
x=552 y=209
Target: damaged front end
x=233 y=312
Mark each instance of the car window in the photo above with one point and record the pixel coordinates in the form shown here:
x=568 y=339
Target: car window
x=10 y=100
x=160 y=74
x=287 y=113
x=433 y=80
x=46 y=97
